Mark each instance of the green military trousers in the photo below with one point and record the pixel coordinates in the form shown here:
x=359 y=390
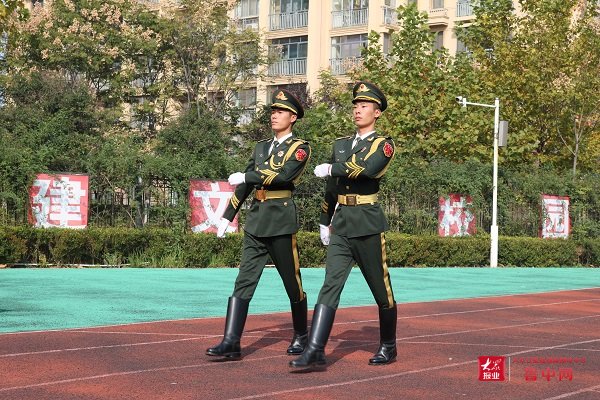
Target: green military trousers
x=369 y=253
x=283 y=250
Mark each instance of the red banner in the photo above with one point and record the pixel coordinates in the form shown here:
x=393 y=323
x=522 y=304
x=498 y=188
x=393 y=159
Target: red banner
x=555 y=217
x=208 y=201
x=455 y=217
x=59 y=201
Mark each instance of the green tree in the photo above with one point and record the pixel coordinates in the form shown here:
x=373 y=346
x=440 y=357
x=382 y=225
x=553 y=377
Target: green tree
x=212 y=55
x=7 y=8
x=47 y=125
x=543 y=65
x=421 y=85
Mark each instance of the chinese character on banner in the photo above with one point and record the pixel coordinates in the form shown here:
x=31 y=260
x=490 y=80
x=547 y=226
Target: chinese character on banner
x=59 y=201
x=491 y=368
x=455 y=216
x=555 y=217
x=208 y=201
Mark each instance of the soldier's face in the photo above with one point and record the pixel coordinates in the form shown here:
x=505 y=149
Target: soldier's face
x=365 y=113
x=281 y=120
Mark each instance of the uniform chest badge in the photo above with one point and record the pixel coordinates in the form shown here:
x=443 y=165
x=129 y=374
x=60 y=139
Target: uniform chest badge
x=300 y=155
x=280 y=153
x=388 y=150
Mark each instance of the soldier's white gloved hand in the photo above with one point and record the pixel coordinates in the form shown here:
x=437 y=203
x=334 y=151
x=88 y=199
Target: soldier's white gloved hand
x=325 y=234
x=236 y=178
x=323 y=170
x=222 y=227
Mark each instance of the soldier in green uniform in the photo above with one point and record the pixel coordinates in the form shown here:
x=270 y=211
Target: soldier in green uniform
x=352 y=224
x=271 y=225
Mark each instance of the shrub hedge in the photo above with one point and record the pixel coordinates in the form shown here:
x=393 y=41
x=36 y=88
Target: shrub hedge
x=165 y=248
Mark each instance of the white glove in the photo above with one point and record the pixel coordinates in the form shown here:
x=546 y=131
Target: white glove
x=323 y=170
x=325 y=233
x=222 y=227
x=236 y=178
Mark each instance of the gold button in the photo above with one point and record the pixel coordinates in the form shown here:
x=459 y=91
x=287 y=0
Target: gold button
x=347 y=171
x=285 y=203
x=347 y=187
x=266 y=162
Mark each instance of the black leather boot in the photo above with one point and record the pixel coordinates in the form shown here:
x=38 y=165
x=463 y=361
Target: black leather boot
x=300 y=339
x=388 y=317
x=237 y=311
x=314 y=354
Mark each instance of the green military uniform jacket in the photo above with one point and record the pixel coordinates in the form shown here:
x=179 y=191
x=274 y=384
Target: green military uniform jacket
x=279 y=171
x=357 y=170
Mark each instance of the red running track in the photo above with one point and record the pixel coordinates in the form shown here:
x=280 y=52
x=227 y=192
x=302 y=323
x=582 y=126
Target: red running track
x=554 y=337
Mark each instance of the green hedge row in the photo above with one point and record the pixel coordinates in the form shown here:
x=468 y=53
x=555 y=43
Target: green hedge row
x=165 y=248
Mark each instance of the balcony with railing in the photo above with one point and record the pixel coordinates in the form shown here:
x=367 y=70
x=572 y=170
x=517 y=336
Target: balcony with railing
x=464 y=8
x=390 y=15
x=247 y=23
x=293 y=66
x=288 y=20
x=438 y=16
x=344 y=18
x=341 y=66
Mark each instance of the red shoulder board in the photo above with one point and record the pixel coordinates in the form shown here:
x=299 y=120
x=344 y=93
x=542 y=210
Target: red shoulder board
x=388 y=149
x=300 y=155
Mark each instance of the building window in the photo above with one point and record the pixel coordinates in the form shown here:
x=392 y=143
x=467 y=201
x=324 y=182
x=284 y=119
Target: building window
x=349 y=13
x=464 y=8
x=340 y=5
x=292 y=54
x=246 y=14
x=438 y=42
x=246 y=101
x=435 y=4
x=346 y=52
x=288 y=14
x=387 y=43
x=246 y=8
x=461 y=46
x=288 y=6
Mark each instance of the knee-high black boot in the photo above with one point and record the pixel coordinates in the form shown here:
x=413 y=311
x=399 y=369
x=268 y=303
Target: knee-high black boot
x=237 y=311
x=300 y=339
x=314 y=354
x=388 y=317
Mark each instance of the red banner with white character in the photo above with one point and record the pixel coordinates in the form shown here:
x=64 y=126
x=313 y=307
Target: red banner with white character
x=555 y=217
x=59 y=200
x=208 y=201
x=455 y=217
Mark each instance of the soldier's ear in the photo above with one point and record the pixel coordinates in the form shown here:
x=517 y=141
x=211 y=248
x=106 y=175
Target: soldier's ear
x=377 y=112
x=294 y=117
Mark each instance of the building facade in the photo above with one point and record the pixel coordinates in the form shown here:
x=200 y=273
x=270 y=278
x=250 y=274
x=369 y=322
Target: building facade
x=311 y=36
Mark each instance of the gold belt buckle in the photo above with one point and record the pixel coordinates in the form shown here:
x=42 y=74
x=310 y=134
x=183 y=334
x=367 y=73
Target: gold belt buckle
x=351 y=200
x=261 y=195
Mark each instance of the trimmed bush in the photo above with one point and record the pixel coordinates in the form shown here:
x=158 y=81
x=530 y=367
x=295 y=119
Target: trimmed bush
x=166 y=248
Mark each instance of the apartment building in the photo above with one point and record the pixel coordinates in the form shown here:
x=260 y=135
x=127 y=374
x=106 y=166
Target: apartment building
x=313 y=35
x=310 y=36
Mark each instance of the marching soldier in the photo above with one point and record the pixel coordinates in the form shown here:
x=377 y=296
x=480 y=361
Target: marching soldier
x=271 y=225
x=355 y=235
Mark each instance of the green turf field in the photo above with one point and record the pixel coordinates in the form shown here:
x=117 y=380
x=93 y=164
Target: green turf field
x=43 y=299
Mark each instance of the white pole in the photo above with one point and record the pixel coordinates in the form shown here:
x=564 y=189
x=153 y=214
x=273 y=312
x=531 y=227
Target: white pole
x=494 y=228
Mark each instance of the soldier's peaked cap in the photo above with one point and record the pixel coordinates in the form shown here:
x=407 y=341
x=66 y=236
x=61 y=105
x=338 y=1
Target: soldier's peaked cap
x=367 y=91
x=284 y=100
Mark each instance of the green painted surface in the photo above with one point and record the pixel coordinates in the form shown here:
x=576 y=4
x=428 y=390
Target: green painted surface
x=44 y=299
